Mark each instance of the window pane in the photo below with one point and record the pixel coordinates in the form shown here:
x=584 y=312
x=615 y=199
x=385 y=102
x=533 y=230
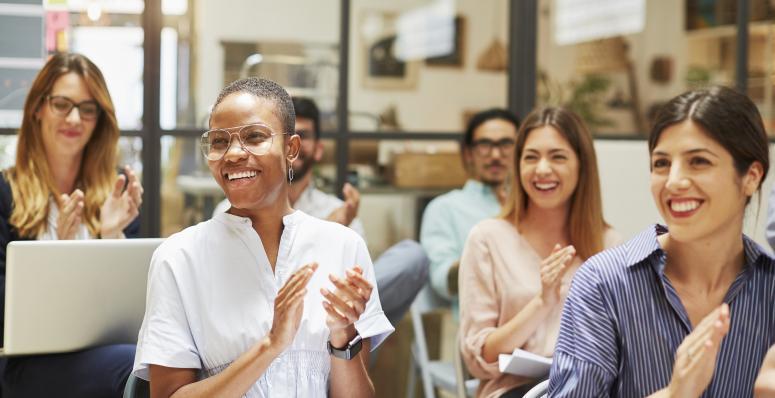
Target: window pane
x=425 y=65
x=618 y=78
x=130 y=152
x=118 y=52
x=188 y=192
x=208 y=45
x=110 y=33
x=21 y=56
x=7 y=151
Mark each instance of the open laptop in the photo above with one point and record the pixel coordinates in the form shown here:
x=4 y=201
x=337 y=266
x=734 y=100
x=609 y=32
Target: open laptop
x=63 y=296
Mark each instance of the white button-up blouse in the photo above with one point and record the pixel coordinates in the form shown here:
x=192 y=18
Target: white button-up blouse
x=211 y=294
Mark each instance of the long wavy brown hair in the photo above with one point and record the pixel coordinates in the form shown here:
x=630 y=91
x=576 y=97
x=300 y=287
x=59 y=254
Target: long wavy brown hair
x=585 y=218
x=30 y=178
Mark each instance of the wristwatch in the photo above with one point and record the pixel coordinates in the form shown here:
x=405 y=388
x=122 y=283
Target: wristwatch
x=350 y=351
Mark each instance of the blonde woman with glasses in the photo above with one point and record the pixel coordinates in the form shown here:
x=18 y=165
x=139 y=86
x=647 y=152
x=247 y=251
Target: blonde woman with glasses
x=64 y=185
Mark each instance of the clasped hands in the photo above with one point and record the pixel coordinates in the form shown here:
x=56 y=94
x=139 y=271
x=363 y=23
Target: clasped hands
x=343 y=306
x=116 y=213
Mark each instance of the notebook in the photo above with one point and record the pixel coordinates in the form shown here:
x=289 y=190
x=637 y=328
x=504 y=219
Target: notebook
x=523 y=363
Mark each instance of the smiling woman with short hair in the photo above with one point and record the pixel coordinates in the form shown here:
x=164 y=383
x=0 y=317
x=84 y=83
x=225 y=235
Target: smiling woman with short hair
x=262 y=300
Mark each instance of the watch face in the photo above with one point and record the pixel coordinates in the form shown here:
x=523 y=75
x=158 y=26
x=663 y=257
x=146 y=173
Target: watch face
x=355 y=347
x=349 y=352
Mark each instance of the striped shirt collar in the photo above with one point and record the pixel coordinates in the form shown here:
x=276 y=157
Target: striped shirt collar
x=645 y=245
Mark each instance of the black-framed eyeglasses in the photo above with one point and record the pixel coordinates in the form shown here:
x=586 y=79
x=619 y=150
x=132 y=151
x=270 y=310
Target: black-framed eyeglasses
x=253 y=138
x=485 y=146
x=62 y=106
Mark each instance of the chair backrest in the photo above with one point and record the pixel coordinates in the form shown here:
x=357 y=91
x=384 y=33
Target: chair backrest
x=426 y=301
x=461 y=373
x=538 y=391
x=136 y=388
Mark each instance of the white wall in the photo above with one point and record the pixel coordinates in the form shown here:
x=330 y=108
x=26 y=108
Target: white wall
x=624 y=178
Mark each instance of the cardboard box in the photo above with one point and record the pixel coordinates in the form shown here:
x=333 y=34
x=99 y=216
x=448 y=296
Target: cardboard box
x=424 y=170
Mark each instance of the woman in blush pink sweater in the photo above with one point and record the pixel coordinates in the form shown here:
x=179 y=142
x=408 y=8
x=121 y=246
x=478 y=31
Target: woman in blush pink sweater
x=516 y=269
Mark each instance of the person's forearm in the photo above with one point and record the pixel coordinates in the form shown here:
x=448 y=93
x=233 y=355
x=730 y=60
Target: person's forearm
x=515 y=333
x=237 y=378
x=350 y=378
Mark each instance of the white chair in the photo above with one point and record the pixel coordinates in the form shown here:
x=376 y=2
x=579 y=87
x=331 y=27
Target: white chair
x=447 y=376
x=538 y=391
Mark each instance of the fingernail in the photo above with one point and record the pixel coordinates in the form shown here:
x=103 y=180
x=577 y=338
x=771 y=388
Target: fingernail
x=324 y=291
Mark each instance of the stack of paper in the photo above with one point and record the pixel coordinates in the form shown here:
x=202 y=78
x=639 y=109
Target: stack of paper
x=523 y=363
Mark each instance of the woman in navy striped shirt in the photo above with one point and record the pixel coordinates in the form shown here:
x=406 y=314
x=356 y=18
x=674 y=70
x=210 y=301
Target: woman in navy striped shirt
x=689 y=312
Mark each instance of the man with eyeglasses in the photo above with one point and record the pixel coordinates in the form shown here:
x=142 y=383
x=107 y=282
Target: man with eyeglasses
x=487 y=150
x=402 y=270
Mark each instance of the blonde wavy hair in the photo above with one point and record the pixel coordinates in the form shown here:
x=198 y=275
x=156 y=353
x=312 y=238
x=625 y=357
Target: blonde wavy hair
x=585 y=217
x=30 y=178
